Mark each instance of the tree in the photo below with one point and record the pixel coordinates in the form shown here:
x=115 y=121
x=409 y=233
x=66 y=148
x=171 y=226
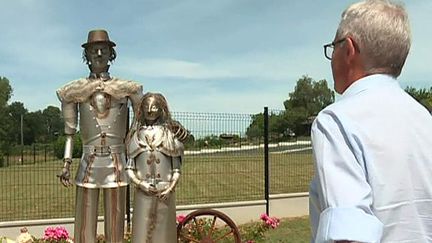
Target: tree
x=308 y=98
x=5 y=94
x=38 y=126
x=313 y=96
x=14 y=111
x=305 y=102
x=5 y=91
x=53 y=123
x=423 y=96
x=256 y=128
x=5 y=117
x=34 y=128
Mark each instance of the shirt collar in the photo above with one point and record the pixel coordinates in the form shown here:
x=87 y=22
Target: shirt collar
x=368 y=82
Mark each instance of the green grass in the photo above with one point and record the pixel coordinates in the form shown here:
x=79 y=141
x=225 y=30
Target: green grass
x=32 y=191
x=295 y=230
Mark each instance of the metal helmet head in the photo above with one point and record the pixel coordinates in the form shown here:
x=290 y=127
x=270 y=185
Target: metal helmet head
x=154 y=109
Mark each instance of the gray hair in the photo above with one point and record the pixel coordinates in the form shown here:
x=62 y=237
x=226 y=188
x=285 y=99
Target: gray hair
x=381 y=30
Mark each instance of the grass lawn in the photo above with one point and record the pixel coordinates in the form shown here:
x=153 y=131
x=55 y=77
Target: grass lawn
x=32 y=191
x=295 y=230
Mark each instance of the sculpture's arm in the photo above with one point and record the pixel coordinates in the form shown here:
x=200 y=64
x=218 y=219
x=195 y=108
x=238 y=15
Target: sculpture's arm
x=176 y=163
x=70 y=117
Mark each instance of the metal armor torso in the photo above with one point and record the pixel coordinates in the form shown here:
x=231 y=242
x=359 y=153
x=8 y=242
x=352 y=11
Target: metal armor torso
x=152 y=163
x=103 y=121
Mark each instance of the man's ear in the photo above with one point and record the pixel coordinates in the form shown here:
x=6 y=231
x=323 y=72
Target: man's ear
x=351 y=49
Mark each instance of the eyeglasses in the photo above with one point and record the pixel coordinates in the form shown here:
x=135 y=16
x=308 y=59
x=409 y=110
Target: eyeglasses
x=328 y=48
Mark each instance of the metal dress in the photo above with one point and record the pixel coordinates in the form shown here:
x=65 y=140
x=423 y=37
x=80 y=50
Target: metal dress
x=155 y=159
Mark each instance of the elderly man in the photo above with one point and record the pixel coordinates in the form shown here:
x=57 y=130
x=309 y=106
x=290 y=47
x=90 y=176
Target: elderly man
x=372 y=148
x=101 y=102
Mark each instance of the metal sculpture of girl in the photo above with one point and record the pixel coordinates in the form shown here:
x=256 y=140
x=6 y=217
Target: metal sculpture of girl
x=155 y=156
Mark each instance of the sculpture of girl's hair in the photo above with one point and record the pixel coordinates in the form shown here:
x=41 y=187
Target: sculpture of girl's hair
x=139 y=118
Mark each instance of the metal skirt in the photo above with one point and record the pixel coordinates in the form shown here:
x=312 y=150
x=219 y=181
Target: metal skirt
x=154 y=221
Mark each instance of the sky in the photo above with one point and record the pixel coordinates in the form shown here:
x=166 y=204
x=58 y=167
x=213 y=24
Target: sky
x=228 y=56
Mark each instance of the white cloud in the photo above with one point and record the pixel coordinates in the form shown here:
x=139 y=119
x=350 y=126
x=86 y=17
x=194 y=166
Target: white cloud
x=171 y=68
x=281 y=66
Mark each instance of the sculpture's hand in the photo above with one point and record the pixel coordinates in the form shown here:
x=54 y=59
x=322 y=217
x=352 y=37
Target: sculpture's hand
x=179 y=131
x=147 y=188
x=164 y=194
x=65 y=173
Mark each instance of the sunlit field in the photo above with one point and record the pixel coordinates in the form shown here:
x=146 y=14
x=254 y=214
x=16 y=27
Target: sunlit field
x=32 y=191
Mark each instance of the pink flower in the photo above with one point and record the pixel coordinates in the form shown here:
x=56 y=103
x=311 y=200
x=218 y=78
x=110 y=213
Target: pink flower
x=272 y=222
x=180 y=218
x=56 y=233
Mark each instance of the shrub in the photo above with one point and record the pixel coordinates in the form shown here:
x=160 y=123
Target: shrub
x=255 y=231
x=60 y=144
x=250 y=233
x=2 y=160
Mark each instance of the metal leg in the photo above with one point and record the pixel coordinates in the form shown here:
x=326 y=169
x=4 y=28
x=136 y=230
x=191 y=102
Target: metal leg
x=115 y=206
x=86 y=215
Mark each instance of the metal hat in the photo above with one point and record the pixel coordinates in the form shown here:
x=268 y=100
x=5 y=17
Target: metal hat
x=98 y=36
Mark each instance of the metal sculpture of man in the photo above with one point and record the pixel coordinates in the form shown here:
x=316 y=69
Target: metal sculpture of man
x=155 y=155
x=102 y=104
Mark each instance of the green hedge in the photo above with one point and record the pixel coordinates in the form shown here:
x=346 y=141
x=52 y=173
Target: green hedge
x=2 y=162
x=59 y=146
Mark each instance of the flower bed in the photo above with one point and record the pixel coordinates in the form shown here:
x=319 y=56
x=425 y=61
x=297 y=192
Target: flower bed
x=250 y=233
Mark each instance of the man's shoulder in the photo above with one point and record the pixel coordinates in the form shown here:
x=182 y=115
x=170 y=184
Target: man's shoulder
x=122 y=80
x=335 y=114
x=75 y=82
x=122 y=87
x=352 y=104
x=125 y=83
x=63 y=93
x=335 y=109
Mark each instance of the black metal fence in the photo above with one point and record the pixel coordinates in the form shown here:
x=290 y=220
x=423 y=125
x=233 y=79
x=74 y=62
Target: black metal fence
x=222 y=164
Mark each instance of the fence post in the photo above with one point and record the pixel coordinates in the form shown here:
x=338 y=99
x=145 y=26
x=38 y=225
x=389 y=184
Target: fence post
x=22 y=154
x=45 y=153
x=34 y=153
x=266 y=159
